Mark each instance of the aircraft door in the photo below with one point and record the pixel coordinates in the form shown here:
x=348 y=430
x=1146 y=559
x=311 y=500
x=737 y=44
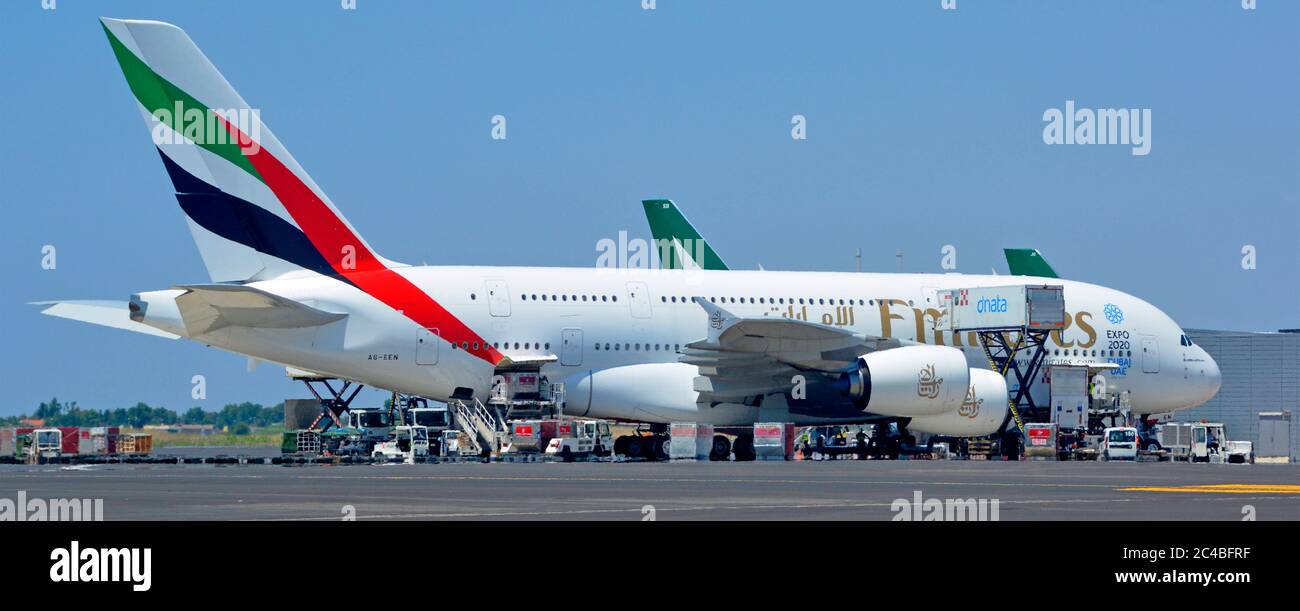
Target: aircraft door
x=638 y=297
x=426 y=347
x=498 y=297
x=1150 y=355
x=571 y=347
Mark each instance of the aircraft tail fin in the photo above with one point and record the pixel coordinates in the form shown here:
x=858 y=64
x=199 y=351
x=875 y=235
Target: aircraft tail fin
x=1028 y=262
x=689 y=249
x=254 y=212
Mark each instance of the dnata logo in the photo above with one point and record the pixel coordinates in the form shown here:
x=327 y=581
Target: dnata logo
x=121 y=564
x=995 y=305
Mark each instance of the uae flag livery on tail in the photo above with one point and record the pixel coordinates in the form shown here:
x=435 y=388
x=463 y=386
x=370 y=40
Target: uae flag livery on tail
x=254 y=212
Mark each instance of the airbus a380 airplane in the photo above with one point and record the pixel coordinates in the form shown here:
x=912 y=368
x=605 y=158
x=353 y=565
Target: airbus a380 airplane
x=294 y=283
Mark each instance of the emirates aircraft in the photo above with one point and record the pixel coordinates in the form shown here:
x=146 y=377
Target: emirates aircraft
x=292 y=282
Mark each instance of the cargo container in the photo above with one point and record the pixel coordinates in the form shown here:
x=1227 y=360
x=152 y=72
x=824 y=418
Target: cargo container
x=1038 y=307
x=1042 y=440
x=774 y=440
x=102 y=440
x=138 y=444
x=8 y=443
x=535 y=435
x=690 y=441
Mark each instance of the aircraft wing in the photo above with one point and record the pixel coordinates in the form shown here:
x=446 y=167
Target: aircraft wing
x=100 y=312
x=208 y=307
x=743 y=357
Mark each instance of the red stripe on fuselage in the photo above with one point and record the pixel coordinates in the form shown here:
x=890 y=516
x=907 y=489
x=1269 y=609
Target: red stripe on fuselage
x=331 y=236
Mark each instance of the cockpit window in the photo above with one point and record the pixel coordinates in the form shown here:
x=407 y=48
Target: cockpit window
x=1184 y=340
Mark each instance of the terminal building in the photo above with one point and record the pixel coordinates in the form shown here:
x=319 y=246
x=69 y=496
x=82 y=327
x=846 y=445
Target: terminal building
x=1260 y=391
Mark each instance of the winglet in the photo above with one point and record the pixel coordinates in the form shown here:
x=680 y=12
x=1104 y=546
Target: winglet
x=719 y=318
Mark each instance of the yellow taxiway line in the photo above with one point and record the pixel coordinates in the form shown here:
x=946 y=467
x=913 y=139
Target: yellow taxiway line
x=1224 y=488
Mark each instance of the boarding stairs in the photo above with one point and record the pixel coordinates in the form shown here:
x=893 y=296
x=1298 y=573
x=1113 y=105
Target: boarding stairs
x=485 y=427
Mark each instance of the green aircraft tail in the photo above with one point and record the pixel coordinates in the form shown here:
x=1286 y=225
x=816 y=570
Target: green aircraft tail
x=1028 y=262
x=669 y=226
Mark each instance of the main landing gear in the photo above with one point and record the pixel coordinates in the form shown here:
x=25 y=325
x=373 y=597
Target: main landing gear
x=649 y=442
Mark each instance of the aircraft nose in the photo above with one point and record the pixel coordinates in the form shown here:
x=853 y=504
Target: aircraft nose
x=1211 y=377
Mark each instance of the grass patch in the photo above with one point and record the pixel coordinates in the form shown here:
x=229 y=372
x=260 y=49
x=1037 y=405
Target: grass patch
x=262 y=437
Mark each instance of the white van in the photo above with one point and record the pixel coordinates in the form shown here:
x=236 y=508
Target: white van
x=1119 y=443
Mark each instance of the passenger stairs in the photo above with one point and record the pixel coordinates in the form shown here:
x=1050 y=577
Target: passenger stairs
x=485 y=427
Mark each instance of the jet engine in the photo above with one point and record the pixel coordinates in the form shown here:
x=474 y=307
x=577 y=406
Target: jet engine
x=909 y=381
x=981 y=413
x=648 y=392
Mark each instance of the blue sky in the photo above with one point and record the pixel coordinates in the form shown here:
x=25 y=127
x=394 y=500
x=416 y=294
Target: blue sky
x=924 y=129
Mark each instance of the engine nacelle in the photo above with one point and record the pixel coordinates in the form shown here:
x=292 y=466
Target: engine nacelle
x=981 y=413
x=909 y=381
x=649 y=392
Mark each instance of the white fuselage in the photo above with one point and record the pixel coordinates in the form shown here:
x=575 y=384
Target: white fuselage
x=599 y=319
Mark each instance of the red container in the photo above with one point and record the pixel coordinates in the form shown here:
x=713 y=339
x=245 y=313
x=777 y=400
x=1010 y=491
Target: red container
x=71 y=440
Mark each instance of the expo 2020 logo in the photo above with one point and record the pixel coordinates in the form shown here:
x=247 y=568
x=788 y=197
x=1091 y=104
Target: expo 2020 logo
x=1114 y=314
